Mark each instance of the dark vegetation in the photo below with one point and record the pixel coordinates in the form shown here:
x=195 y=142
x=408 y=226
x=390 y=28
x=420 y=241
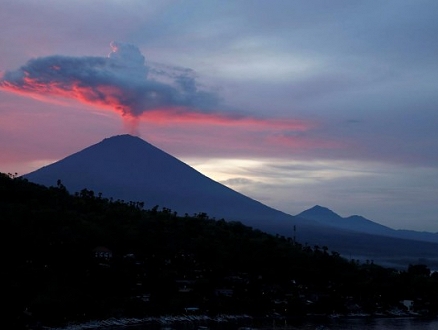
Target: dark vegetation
x=154 y=262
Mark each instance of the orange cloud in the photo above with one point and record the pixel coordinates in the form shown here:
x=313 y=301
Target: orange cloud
x=179 y=116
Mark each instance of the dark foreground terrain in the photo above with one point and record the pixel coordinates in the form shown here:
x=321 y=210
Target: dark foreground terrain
x=76 y=258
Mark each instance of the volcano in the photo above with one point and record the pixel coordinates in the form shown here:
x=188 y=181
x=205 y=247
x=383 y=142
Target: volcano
x=127 y=168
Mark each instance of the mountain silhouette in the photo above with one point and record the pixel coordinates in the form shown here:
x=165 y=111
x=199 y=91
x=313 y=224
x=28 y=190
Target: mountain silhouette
x=320 y=213
x=128 y=168
x=357 y=223
x=327 y=217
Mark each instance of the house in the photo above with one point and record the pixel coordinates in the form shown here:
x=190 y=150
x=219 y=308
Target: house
x=224 y=292
x=102 y=252
x=185 y=285
x=409 y=304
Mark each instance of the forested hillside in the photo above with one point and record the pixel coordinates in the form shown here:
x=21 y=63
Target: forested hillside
x=80 y=257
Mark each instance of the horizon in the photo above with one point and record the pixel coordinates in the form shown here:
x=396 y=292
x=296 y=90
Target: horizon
x=320 y=208
x=316 y=206
x=292 y=104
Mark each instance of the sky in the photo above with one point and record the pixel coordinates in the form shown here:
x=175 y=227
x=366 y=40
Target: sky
x=293 y=103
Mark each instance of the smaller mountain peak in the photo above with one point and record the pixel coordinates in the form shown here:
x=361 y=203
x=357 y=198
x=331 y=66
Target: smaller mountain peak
x=318 y=212
x=320 y=208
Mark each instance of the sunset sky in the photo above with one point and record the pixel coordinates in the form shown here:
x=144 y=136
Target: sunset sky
x=293 y=103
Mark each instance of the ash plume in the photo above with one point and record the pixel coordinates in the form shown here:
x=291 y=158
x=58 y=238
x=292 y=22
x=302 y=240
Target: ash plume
x=120 y=81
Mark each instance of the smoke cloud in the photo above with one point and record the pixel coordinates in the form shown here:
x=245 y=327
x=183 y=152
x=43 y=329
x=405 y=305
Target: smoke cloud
x=119 y=81
x=125 y=82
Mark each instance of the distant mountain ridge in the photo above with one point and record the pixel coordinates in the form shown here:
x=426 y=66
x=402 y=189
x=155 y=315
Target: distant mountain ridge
x=357 y=223
x=128 y=168
x=327 y=217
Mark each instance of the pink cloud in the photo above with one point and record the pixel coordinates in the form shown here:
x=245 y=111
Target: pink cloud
x=292 y=141
x=183 y=116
